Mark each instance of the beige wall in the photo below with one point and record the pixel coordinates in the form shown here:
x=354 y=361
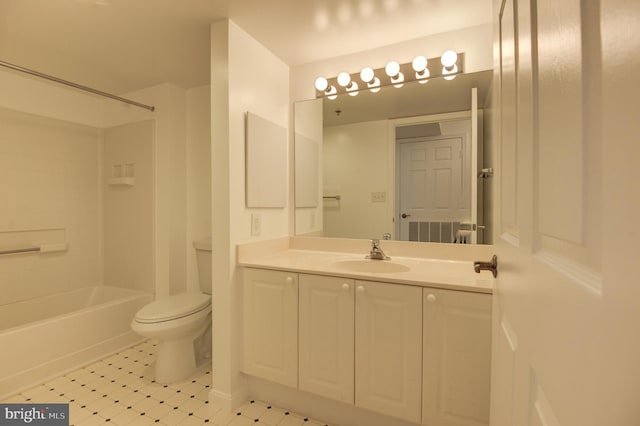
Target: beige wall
x=475 y=42
x=356 y=164
x=20 y=92
x=247 y=78
x=198 y=176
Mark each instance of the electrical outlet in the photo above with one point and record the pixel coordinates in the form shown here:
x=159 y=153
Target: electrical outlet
x=256 y=224
x=378 y=197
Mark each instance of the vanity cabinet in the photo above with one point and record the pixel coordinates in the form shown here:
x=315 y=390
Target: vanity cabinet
x=326 y=336
x=271 y=325
x=388 y=342
x=361 y=343
x=457 y=358
x=419 y=354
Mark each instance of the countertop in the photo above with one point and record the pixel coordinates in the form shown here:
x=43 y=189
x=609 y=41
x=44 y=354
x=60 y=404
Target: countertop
x=423 y=272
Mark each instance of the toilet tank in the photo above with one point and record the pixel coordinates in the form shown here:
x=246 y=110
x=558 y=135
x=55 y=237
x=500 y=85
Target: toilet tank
x=203 y=259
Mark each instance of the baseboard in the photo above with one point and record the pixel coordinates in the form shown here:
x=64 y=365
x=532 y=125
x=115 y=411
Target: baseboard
x=229 y=402
x=318 y=408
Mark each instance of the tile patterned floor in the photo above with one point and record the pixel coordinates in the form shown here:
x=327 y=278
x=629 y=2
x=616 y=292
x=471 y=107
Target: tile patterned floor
x=120 y=390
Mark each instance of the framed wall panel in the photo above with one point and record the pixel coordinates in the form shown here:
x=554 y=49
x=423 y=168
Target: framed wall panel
x=266 y=163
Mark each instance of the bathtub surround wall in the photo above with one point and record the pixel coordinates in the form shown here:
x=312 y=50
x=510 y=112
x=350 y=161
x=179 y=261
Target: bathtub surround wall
x=55 y=176
x=128 y=232
x=172 y=192
x=49 y=180
x=248 y=78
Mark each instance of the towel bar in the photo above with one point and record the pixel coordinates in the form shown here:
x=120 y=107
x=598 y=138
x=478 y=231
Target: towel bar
x=19 y=250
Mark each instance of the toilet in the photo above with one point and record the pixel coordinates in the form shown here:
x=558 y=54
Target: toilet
x=181 y=324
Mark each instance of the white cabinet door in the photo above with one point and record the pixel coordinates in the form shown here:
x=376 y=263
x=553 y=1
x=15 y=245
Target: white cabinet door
x=389 y=349
x=326 y=331
x=271 y=325
x=457 y=358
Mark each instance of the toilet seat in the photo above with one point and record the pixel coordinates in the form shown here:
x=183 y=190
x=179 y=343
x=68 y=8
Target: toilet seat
x=173 y=307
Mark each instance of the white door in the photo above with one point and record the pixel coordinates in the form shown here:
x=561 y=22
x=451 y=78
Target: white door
x=567 y=298
x=326 y=312
x=437 y=177
x=432 y=187
x=389 y=349
x=270 y=314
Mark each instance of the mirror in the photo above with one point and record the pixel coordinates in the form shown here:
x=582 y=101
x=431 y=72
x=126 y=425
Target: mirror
x=358 y=191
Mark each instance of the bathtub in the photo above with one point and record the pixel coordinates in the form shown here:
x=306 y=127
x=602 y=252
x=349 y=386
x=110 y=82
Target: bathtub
x=47 y=336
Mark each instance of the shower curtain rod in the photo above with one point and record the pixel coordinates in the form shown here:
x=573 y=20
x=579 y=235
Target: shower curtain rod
x=75 y=85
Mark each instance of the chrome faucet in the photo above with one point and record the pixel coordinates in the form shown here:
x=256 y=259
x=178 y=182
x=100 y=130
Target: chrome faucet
x=376 y=252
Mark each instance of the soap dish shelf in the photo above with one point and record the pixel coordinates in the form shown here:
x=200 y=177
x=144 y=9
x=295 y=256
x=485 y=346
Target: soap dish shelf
x=121 y=181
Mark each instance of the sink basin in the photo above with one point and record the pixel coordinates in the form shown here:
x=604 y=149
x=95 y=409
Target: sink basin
x=363 y=265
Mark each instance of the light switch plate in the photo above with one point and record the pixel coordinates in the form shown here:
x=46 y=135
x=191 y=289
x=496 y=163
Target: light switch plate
x=378 y=197
x=256 y=224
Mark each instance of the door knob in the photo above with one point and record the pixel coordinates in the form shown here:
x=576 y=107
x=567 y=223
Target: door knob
x=404 y=215
x=360 y=289
x=346 y=286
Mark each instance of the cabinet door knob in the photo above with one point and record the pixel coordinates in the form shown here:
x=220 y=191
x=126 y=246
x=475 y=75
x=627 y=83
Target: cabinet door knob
x=346 y=286
x=289 y=280
x=431 y=298
x=360 y=289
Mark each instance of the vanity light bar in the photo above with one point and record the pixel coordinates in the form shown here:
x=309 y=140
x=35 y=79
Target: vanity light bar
x=393 y=73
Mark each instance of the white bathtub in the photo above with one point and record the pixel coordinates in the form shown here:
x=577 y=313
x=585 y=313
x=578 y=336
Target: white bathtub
x=46 y=336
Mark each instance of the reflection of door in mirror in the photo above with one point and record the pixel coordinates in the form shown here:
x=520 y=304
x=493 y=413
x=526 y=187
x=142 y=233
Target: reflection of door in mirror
x=434 y=177
x=433 y=194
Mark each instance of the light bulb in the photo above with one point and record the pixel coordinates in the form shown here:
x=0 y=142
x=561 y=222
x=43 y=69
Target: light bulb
x=392 y=69
x=419 y=64
x=374 y=86
x=367 y=75
x=449 y=58
x=331 y=93
x=423 y=77
x=344 y=79
x=321 y=84
x=352 y=90
x=398 y=80
x=451 y=70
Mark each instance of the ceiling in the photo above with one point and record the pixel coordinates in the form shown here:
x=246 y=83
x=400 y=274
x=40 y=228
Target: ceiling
x=124 y=45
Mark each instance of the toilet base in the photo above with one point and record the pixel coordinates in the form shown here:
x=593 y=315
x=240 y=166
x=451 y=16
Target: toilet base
x=175 y=360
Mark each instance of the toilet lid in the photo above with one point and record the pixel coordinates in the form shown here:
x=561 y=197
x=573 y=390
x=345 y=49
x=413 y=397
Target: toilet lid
x=172 y=307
